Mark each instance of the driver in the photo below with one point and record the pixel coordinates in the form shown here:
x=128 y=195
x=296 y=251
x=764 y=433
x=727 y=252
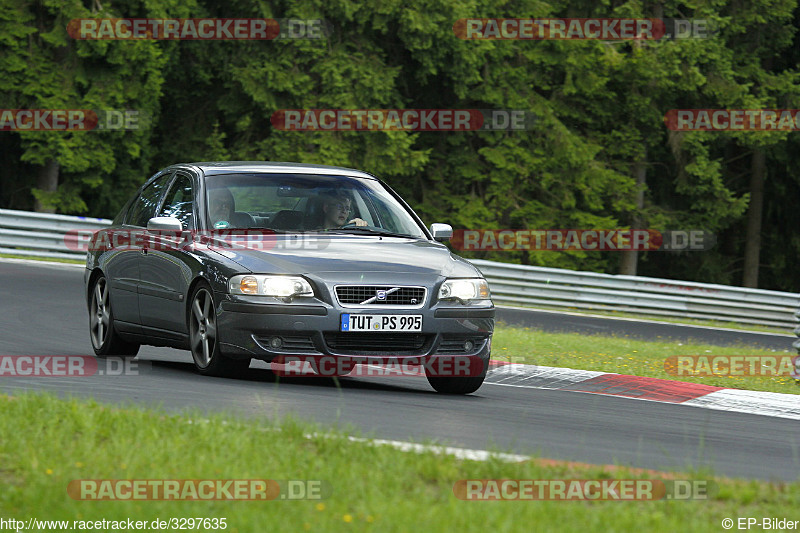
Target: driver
x=336 y=208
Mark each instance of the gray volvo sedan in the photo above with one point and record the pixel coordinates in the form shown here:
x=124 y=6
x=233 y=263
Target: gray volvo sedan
x=237 y=261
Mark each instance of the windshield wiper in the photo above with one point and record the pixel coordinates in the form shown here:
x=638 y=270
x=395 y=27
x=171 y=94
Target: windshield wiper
x=266 y=231
x=373 y=231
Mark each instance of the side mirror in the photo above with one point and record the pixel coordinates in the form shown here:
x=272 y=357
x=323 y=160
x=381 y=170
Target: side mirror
x=441 y=232
x=165 y=224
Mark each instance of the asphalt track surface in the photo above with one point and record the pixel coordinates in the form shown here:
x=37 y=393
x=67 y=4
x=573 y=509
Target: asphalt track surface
x=42 y=312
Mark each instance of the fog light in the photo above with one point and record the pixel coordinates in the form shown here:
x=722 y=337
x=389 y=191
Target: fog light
x=276 y=342
x=468 y=346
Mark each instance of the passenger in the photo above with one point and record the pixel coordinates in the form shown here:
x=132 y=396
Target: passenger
x=221 y=208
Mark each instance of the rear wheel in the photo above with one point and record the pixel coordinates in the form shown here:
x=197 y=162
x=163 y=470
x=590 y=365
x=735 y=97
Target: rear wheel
x=204 y=339
x=105 y=339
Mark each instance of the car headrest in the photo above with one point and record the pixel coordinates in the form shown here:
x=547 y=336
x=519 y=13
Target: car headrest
x=287 y=220
x=240 y=219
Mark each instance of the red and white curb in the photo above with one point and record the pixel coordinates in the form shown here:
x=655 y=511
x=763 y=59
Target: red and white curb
x=641 y=388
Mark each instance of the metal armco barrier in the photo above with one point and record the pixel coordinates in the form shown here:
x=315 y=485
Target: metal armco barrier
x=531 y=286
x=796 y=343
x=40 y=234
x=43 y=234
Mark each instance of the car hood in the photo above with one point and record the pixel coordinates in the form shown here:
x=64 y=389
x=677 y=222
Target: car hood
x=355 y=254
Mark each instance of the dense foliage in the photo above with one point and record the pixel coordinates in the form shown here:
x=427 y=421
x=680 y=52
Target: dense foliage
x=600 y=140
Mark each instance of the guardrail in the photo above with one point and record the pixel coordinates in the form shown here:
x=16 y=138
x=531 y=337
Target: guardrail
x=43 y=234
x=540 y=286
x=796 y=343
x=40 y=234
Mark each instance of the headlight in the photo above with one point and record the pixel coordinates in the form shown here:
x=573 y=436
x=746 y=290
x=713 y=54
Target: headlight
x=464 y=290
x=276 y=286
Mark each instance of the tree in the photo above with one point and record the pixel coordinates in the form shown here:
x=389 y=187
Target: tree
x=44 y=68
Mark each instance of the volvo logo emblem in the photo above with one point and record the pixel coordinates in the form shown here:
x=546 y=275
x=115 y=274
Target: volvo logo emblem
x=380 y=296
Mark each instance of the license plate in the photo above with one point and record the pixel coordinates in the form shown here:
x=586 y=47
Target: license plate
x=359 y=322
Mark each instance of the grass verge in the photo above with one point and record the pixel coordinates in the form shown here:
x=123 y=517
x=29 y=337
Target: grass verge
x=47 y=259
x=47 y=442
x=624 y=355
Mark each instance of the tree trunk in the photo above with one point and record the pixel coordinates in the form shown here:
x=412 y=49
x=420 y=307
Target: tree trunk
x=630 y=259
x=47 y=181
x=752 y=245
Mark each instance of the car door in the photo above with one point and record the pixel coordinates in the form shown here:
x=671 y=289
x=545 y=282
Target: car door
x=121 y=264
x=165 y=273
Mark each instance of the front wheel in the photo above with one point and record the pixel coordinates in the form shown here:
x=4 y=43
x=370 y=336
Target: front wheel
x=204 y=339
x=105 y=339
x=458 y=384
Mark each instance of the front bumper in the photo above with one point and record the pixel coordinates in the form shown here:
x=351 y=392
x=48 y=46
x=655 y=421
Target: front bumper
x=249 y=327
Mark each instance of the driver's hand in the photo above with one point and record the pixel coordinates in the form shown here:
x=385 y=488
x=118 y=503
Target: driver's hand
x=358 y=222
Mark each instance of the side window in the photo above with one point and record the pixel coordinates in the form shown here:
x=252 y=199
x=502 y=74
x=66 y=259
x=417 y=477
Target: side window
x=144 y=207
x=179 y=201
x=120 y=218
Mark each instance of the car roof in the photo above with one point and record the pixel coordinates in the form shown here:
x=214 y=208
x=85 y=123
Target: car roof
x=210 y=168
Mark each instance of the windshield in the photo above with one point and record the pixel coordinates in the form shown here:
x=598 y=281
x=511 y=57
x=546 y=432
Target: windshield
x=305 y=202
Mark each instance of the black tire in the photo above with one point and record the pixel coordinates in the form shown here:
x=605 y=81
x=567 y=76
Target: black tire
x=458 y=384
x=337 y=374
x=105 y=339
x=204 y=338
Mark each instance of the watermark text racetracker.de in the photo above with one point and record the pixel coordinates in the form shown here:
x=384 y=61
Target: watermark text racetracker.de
x=381 y=366
x=68 y=366
x=565 y=240
x=732 y=119
x=87 y=240
x=606 y=29
x=583 y=489
x=72 y=119
x=402 y=120
x=199 y=489
x=733 y=365
x=198 y=29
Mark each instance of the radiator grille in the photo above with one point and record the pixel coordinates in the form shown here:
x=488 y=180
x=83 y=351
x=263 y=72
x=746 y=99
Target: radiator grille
x=371 y=295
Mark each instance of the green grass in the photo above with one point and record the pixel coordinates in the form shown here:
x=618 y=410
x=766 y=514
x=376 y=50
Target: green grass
x=48 y=259
x=624 y=355
x=47 y=442
x=672 y=320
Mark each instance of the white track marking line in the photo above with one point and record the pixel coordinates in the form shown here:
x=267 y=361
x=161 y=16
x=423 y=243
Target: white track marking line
x=459 y=453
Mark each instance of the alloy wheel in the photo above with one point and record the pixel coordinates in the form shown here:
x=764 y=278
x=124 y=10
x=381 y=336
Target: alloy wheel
x=100 y=314
x=203 y=328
